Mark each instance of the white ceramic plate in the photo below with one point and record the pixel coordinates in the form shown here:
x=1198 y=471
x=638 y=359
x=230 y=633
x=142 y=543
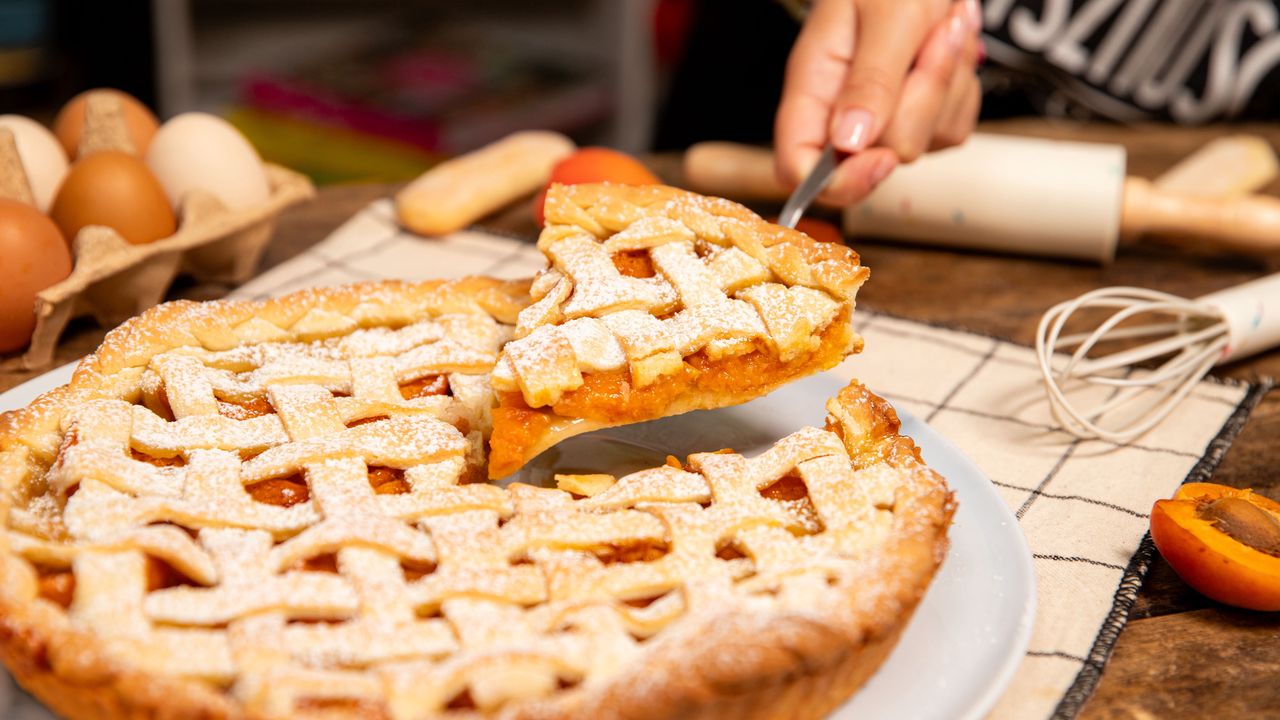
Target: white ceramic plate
x=970 y=631
x=972 y=628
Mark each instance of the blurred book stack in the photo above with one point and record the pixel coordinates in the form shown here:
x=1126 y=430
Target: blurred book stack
x=348 y=90
x=388 y=114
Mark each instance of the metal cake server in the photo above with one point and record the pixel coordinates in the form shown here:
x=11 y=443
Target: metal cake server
x=812 y=186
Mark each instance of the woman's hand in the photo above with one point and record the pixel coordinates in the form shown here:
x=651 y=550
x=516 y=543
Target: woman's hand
x=885 y=80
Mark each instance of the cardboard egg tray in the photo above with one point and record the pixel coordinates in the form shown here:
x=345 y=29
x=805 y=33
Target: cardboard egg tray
x=113 y=280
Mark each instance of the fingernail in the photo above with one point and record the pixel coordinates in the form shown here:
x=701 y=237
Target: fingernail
x=957 y=32
x=973 y=14
x=852 y=131
x=881 y=170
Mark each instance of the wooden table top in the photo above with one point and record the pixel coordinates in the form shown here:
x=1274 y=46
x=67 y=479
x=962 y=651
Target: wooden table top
x=1181 y=656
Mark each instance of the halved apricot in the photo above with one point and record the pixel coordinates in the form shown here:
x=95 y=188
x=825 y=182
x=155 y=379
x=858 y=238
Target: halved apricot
x=1223 y=541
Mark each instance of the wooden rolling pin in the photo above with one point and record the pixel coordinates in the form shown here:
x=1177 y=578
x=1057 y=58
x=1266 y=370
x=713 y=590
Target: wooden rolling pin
x=1039 y=197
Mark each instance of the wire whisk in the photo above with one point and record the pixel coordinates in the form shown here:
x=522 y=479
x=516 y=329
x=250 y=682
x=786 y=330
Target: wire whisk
x=1124 y=377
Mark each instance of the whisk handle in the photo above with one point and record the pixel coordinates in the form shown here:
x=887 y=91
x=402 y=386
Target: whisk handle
x=1249 y=224
x=1252 y=315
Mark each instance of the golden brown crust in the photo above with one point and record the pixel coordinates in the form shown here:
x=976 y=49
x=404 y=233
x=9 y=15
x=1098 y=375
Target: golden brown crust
x=840 y=342
x=57 y=664
x=798 y=664
x=658 y=301
x=802 y=665
x=798 y=259
x=218 y=324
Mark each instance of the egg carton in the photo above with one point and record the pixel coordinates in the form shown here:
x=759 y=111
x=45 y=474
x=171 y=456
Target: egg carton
x=113 y=280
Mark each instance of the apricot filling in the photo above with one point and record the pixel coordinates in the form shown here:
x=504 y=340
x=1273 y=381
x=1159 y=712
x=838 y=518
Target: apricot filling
x=610 y=398
x=730 y=551
x=161 y=575
x=284 y=492
x=388 y=481
x=245 y=409
x=515 y=430
x=638 y=551
x=327 y=562
x=57 y=586
x=415 y=570
x=634 y=263
x=462 y=701
x=340 y=707
x=175 y=461
x=425 y=387
x=787 y=488
x=792 y=492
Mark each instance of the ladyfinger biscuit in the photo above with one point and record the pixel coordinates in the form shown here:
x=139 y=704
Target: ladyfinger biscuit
x=458 y=192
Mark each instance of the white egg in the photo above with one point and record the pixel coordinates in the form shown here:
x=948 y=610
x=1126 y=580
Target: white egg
x=42 y=157
x=199 y=151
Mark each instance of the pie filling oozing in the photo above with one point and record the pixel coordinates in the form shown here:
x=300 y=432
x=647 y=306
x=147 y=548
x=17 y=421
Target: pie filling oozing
x=611 y=398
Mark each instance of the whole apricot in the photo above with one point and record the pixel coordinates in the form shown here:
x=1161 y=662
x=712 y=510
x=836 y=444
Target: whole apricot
x=593 y=165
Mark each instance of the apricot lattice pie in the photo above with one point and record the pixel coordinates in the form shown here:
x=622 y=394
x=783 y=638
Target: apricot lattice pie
x=658 y=301
x=263 y=510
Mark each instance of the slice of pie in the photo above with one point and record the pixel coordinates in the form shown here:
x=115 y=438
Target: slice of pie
x=261 y=510
x=659 y=301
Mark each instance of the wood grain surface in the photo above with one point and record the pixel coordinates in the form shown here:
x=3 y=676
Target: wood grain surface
x=1182 y=656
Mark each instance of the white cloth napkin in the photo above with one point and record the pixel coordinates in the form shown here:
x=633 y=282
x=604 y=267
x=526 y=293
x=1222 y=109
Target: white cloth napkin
x=1082 y=505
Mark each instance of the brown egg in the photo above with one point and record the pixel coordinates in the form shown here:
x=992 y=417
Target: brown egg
x=117 y=190
x=33 y=256
x=69 y=125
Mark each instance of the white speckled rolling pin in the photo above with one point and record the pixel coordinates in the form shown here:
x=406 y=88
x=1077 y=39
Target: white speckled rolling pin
x=1038 y=197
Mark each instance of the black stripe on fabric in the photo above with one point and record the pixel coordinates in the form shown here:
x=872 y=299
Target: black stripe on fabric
x=942 y=404
x=1051 y=428
x=1078 y=498
x=962 y=329
x=932 y=339
x=1055 y=654
x=1038 y=491
x=1131 y=582
x=1077 y=559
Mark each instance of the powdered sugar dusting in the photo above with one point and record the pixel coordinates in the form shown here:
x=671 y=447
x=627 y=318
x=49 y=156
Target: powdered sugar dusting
x=410 y=598
x=723 y=279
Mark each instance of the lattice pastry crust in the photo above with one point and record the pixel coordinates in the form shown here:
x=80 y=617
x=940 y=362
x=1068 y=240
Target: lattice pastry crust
x=203 y=525
x=659 y=301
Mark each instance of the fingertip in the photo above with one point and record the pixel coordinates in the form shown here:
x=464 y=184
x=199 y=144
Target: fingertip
x=881 y=168
x=791 y=165
x=852 y=129
x=856 y=177
x=973 y=15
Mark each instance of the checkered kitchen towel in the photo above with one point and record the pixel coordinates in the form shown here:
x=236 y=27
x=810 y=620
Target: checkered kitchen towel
x=1082 y=505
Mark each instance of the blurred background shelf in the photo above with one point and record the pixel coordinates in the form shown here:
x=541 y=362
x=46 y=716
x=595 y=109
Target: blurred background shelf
x=348 y=90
